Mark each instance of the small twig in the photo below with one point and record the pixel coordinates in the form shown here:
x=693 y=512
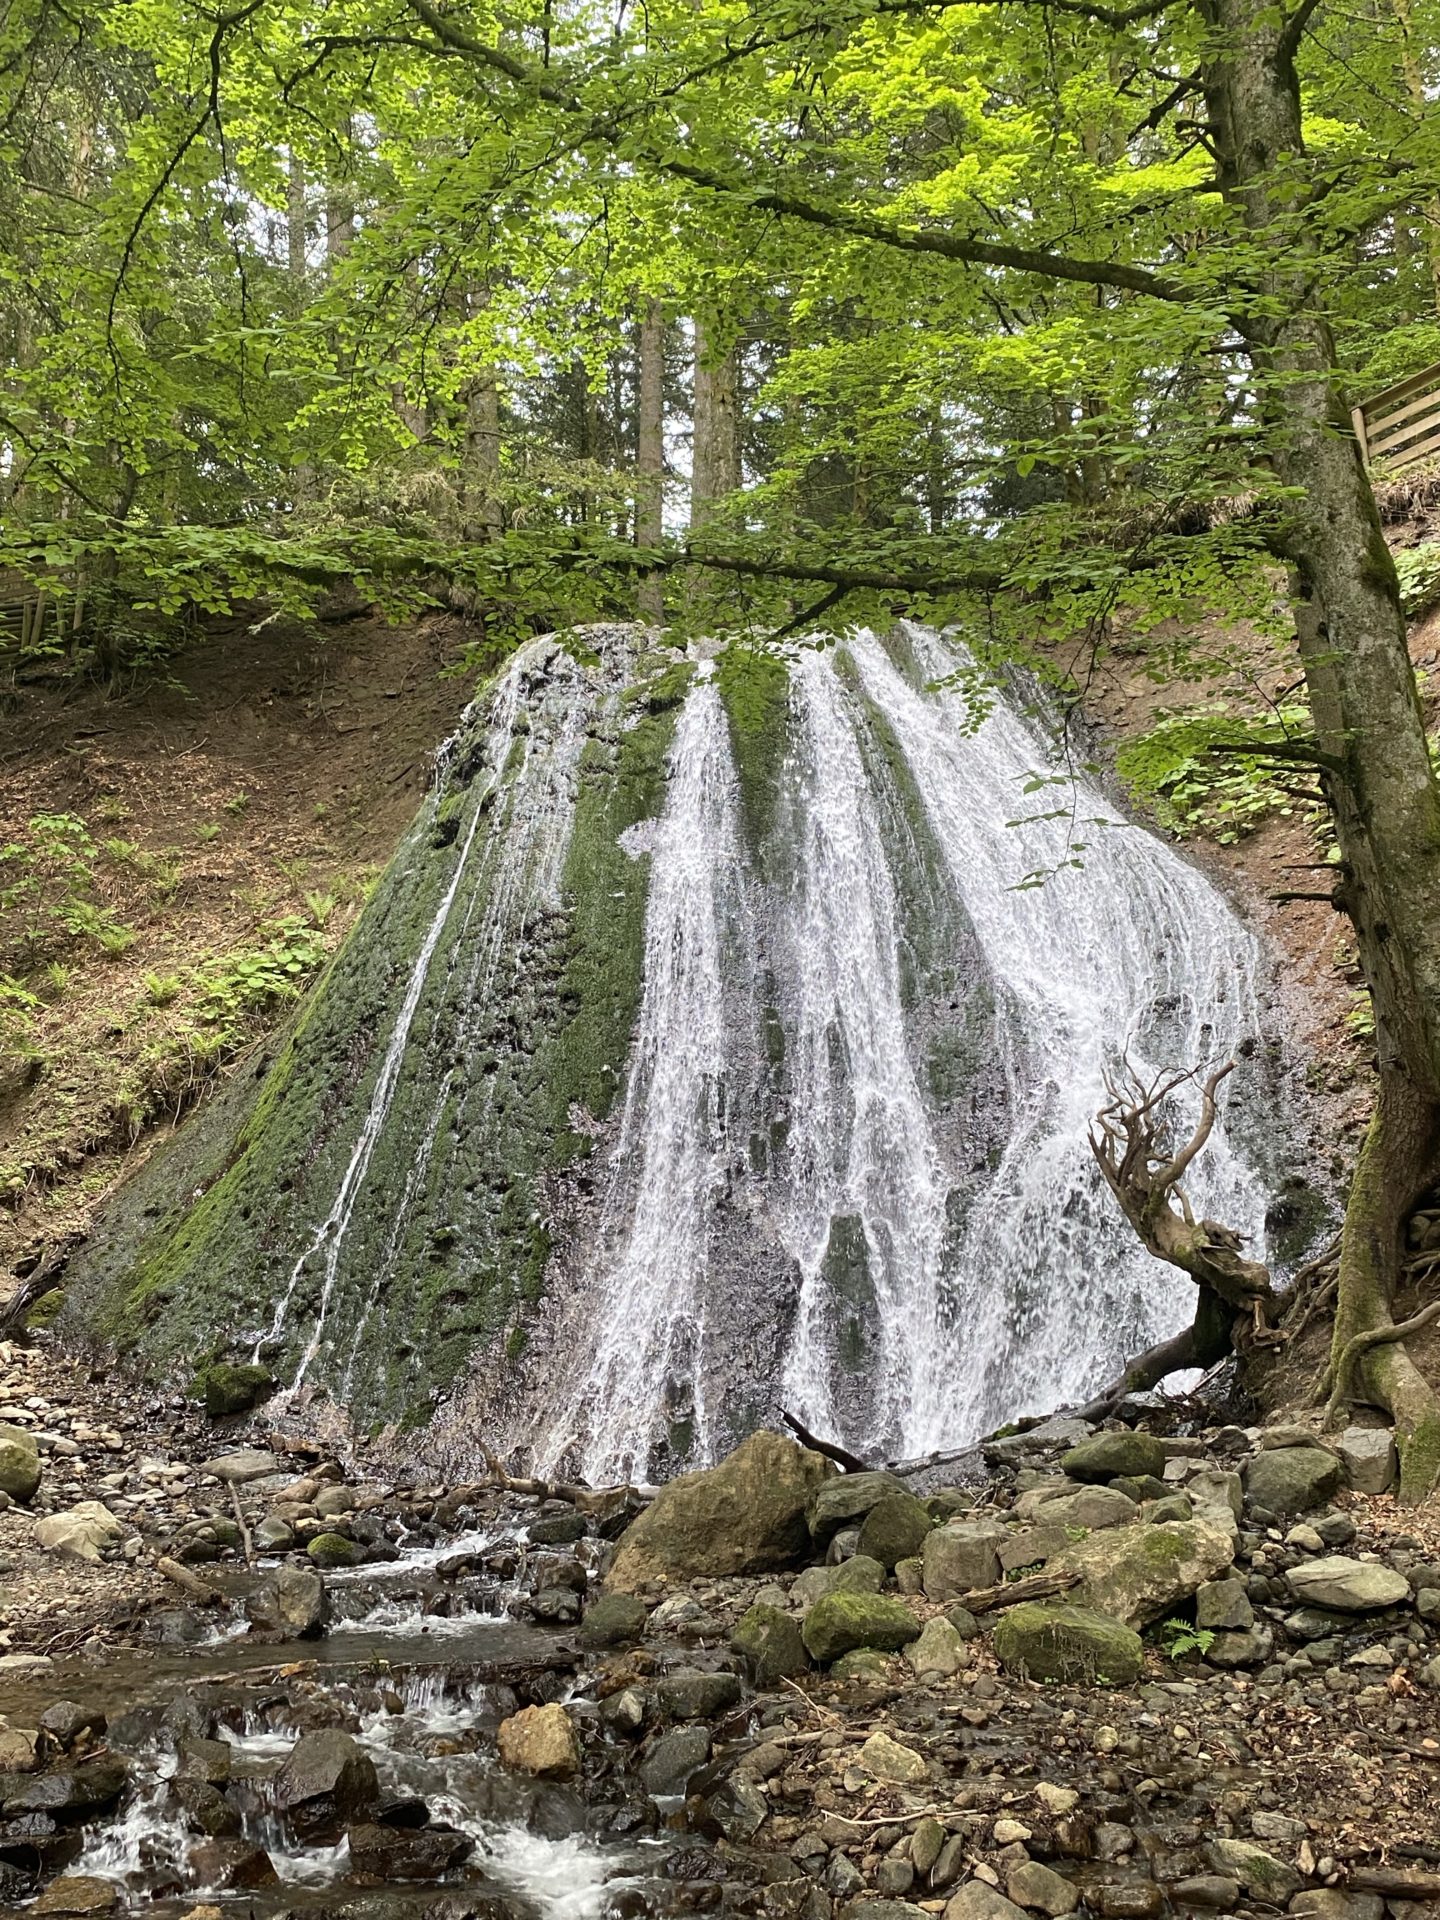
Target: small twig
x=246 y=1542
x=820 y=1713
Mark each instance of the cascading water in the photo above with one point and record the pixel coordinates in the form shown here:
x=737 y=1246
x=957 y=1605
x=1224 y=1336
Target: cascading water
x=724 y=1038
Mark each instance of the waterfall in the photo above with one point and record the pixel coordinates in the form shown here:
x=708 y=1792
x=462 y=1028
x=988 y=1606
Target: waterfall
x=937 y=1287
x=651 y=1277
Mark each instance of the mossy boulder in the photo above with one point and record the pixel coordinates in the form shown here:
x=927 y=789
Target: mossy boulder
x=845 y=1498
x=771 y=1645
x=19 y=1463
x=895 y=1529
x=1045 y=1640
x=228 y=1388
x=613 y=1620
x=1142 y=1573
x=843 y=1621
x=332 y=1550
x=1108 y=1456
x=746 y=1515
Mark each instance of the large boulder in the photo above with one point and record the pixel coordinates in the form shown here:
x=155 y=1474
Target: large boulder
x=301 y=1601
x=1105 y=1456
x=843 y=1621
x=1090 y=1507
x=845 y=1498
x=327 y=1782
x=1291 y=1479
x=1347 y=1586
x=228 y=1388
x=1046 y=1640
x=1142 y=1573
x=19 y=1463
x=745 y=1516
x=962 y=1556
x=72 y=1792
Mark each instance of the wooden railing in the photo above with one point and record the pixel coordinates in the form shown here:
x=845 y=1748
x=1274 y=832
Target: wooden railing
x=1401 y=426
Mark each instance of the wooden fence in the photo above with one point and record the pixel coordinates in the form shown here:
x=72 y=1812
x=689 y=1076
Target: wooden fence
x=1401 y=426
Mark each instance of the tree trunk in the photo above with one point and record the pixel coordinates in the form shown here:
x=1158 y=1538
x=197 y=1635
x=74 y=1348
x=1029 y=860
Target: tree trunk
x=296 y=226
x=480 y=479
x=715 y=447
x=1369 y=733
x=650 y=456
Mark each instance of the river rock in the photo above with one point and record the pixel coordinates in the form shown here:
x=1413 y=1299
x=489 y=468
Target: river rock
x=205 y=1808
x=1337 y=1903
x=327 y=1782
x=542 y=1741
x=1141 y=1573
x=232 y=1865
x=407 y=1853
x=689 y=1693
x=1368 y=1459
x=1258 y=1872
x=672 y=1760
x=1217 y=1497
x=1347 y=1586
x=939 y=1653
x=771 y=1645
x=842 y=1622
x=301 y=1601
x=895 y=1529
x=1104 y=1456
x=976 y=1901
x=77 y=1894
x=1049 y=1640
x=80 y=1532
x=1223 y=1605
x=1042 y=1890
x=19 y=1463
x=845 y=1498
x=1090 y=1507
x=858 y=1574
x=1291 y=1479
x=247 y=1463
x=613 y=1620
x=227 y=1388
x=962 y=1556
x=746 y=1515
x=73 y=1790
x=887 y=1759
x=17 y=1750
x=333 y=1550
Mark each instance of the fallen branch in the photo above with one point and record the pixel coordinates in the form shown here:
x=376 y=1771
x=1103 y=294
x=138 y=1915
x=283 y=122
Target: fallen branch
x=190 y=1583
x=850 y=1462
x=586 y=1499
x=1009 y=1593
x=245 y=1540
x=1399 y=1886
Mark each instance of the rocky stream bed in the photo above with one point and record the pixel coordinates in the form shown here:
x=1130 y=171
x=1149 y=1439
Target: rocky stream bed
x=1127 y=1674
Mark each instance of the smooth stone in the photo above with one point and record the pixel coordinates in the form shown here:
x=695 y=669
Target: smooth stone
x=1368 y=1459
x=613 y=1620
x=19 y=1463
x=1049 y=1640
x=1223 y=1605
x=327 y=1782
x=1142 y=1573
x=398 y=1853
x=688 y=1693
x=672 y=1760
x=1349 y=1586
x=1041 y=1889
x=80 y=1532
x=333 y=1550
x=248 y=1463
x=939 y=1653
x=887 y=1759
x=1104 y=1456
x=844 y=1621
x=771 y=1644
x=1287 y=1480
x=962 y=1556
x=895 y=1528
x=848 y=1497
x=976 y=1901
x=1259 y=1873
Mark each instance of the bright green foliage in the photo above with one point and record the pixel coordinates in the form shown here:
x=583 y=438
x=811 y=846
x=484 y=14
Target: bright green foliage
x=1193 y=771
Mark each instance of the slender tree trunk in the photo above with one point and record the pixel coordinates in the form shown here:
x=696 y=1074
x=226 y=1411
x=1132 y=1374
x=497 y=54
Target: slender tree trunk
x=1420 y=100
x=650 y=455
x=481 y=476
x=1370 y=737
x=715 y=447
x=296 y=226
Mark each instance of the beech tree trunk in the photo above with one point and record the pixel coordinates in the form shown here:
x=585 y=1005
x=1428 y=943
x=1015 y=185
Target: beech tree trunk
x=480 y=479
x=1369 y=734
x=715 y=448
x=650 y=456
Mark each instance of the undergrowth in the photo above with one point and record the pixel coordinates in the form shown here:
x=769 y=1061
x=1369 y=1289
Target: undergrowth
x=1193 y=783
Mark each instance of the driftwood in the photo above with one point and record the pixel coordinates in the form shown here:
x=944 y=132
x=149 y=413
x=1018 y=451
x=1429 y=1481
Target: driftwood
x=1009 y=1593
x=190 y=1583
x=843 y=1458
x=246 y=1542
x=585 y=1499
x=1398 y=1886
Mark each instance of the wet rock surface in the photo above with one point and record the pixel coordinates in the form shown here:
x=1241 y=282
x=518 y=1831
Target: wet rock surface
x=963 y=1733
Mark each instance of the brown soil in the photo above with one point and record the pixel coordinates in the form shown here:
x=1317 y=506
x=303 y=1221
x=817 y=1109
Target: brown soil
x=267 y=775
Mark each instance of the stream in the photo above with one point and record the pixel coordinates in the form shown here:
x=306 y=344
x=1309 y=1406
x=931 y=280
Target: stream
x=421 y=1661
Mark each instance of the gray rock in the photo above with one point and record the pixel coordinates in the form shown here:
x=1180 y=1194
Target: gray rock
x=1248 y=1648
x=1106 y=1455
x=274 y=1535
x=1333 y=1903
x=227 y=1388
x=841 y=1501
x=1217 y=1498
x=672 y=1760
x=688 y=1693
x=1088 y=1507
x=939 y=1653
x=894 y=1529
x=1046 y=1640
x=962 y=1556
x=301 y=1601
x=1223 y=1605
x=1215 y=1890
x=407 y=1853
x=19 y=1463
x=1259 y=1873
x=74 y=1790
x=249 y=1463
x=326 y=1783
x=613 y=1620
x=842 y=1622
x=1142 y=1573
x=1349 y=1586
x=1038 y=1887
x=771 y=1645
x=1287 y=1480
x=1368 y=1459
x=976 y=1901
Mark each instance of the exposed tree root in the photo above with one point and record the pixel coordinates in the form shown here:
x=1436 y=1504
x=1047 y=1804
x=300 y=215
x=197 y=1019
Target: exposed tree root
x=850 y=1462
